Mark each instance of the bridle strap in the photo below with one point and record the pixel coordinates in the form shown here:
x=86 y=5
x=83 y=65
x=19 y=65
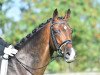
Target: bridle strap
x=65 y=42
x=53 y=38
x=57 y=46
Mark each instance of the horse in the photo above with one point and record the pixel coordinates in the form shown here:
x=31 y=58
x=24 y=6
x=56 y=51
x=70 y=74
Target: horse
x=36 y=49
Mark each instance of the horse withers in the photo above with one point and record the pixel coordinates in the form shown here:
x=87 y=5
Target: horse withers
x=37 y=48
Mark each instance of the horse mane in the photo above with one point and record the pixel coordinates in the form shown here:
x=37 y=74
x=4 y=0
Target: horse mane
x=24 y=40
x=28 y=37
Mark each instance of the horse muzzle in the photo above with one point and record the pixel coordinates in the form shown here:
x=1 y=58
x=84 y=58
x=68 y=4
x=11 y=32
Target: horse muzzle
x=68 y=51
x=69 y=55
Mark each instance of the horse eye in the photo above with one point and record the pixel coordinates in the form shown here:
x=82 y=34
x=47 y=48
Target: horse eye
x=56 y=31
x=64 y=30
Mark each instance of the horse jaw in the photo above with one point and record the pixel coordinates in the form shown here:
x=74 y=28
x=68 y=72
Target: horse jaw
x=70 y=57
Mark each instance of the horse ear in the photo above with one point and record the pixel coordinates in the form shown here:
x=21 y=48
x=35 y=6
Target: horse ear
x=55 y=14
x=67 y=15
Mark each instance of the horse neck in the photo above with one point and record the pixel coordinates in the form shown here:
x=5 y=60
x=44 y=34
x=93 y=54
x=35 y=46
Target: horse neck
x=36 y=53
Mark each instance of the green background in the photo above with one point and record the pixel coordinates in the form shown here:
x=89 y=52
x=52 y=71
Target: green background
x=85 y=21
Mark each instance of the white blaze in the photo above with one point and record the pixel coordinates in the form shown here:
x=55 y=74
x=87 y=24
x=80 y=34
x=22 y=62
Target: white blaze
x=71 y=56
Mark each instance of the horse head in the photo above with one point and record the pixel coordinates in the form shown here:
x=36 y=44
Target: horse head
x=61 y=34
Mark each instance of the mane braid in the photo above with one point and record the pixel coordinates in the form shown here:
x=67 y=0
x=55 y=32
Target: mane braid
x=24 y=40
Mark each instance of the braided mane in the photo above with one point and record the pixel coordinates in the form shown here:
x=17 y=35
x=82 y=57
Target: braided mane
x=24 y=40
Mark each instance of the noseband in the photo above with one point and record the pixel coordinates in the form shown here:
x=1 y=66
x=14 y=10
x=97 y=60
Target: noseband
x=57 y=46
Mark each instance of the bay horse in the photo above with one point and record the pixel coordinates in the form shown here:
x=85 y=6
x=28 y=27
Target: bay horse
x=37 y=48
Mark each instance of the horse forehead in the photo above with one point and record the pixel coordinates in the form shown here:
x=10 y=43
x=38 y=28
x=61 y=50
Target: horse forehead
x=61 y=21
x=65 y=27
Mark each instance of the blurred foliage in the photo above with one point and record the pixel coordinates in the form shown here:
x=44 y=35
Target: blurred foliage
x=84 y=20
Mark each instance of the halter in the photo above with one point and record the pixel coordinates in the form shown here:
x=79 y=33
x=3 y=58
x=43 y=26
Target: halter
x=57 y=46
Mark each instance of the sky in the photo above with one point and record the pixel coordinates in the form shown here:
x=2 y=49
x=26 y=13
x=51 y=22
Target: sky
x=15 y=12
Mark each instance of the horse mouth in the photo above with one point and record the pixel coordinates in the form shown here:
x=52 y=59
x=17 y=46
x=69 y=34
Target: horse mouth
x=69 y=56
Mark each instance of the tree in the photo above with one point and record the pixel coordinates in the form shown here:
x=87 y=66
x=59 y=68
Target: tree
x=84 y=21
